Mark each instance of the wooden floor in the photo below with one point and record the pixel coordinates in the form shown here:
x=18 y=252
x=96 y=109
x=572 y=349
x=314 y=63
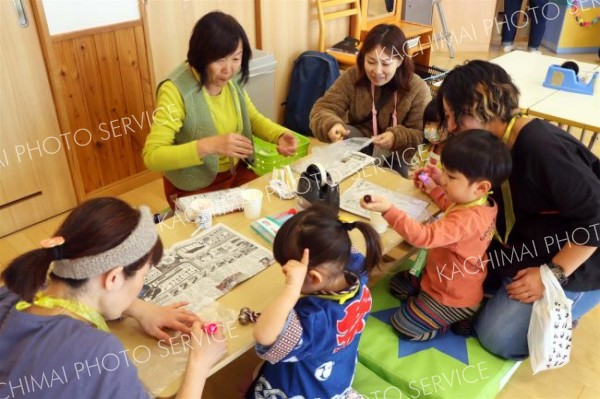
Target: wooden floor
x=578 y=380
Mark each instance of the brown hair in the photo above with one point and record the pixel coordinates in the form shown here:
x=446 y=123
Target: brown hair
x=391 y=39
x=480 y=89
x=93 y=227
x=326 y=237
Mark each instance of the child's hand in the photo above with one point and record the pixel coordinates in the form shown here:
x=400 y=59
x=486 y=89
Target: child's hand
x=295 y=271
x=427 y=183
x=377 y=204
x=433 y=172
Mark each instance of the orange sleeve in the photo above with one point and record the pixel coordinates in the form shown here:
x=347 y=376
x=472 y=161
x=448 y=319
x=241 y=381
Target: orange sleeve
x=439 y=197
x=441 y=233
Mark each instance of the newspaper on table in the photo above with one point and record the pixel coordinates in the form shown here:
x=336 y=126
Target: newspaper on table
x=350 y=200
x=204 y=268
x=224 y=201
x=341 y=159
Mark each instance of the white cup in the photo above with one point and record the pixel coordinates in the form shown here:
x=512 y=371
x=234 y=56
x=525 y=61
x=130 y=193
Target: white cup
x=378 y=222
x=200 y=211
x=252 y=201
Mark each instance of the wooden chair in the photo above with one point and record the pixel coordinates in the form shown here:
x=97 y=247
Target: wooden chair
x=329 y=10
x=419 y=36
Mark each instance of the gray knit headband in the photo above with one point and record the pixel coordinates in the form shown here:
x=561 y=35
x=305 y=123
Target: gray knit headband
x=139 y=243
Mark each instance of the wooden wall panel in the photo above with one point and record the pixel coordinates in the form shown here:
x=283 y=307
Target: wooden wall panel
x=93 y=96
x=131 y=79
x=114 y=101
x=102 y=84
x=70 y=97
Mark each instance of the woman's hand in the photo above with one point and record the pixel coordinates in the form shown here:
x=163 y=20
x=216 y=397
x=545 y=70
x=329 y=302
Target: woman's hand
x=377 y=204
x=384 y=140
x=207 y=349
x=527 y=286
x=287 y=144
x=338 y=132
x=228 y=145
x=156 y=319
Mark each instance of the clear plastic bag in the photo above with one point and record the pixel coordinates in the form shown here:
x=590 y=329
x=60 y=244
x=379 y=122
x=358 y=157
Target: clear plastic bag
x=550 y=326
x=329 y=155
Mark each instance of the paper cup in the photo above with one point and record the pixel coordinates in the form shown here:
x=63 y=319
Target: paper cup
x=252 y=201
x=200 y=211
x=378 y=222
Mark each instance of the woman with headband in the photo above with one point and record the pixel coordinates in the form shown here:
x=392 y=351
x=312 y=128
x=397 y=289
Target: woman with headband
x=54 y=340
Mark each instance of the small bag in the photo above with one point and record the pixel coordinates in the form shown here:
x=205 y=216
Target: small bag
x=316 y=185
x=348 y=45
x=550 y=327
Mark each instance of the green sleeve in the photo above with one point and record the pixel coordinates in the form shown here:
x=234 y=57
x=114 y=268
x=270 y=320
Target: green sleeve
x=262 y=126
x=160 y=153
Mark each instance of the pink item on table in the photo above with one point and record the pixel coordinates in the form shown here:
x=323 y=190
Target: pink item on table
x=210 y=328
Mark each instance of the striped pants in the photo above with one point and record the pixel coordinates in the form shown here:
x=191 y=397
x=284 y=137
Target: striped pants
x=421 y=317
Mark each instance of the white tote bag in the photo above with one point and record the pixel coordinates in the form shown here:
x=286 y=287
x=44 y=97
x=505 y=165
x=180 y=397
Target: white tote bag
x=550 y=327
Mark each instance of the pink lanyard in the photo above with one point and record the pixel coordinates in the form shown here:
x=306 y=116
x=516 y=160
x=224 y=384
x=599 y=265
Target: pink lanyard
x=374 y=110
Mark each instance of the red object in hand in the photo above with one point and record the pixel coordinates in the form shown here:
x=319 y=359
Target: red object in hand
x=367 y=198
x=210 y=328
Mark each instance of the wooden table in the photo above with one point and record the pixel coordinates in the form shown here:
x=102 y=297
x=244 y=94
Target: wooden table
x=254 y=293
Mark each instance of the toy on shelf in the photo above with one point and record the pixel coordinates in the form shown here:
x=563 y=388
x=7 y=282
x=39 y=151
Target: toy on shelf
x=561 y=78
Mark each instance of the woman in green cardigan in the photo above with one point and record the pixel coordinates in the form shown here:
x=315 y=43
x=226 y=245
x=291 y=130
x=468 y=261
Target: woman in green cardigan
x=204 y=121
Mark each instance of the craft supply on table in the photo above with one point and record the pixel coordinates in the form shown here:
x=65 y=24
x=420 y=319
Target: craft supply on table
x=247 y=316
x=210 y=328
x=350 y=200
x=341 y=159
x=267 y=227
x=224 y=201
x=283 y=182
x=252 y=201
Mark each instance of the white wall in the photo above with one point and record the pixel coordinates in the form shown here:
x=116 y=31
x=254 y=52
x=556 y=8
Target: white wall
x=72 y=15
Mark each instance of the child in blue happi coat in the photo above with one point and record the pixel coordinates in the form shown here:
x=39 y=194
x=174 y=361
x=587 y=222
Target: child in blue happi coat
x=309 y=335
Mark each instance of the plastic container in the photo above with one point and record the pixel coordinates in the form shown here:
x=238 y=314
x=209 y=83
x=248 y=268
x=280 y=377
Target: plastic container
x=267 y=158
x=261 y=82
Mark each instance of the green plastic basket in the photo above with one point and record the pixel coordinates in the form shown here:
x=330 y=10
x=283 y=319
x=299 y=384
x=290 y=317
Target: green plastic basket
x=267 y=158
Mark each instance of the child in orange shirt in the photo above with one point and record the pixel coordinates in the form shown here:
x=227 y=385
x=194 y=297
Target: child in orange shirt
x=450 y=288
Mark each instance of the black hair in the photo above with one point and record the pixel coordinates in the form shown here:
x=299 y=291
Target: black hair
x=216 y=35
x=392 y=40
x=93 y=227
x=479 y=155
x=431 y=113
x=326 y=237
x=481 y=89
